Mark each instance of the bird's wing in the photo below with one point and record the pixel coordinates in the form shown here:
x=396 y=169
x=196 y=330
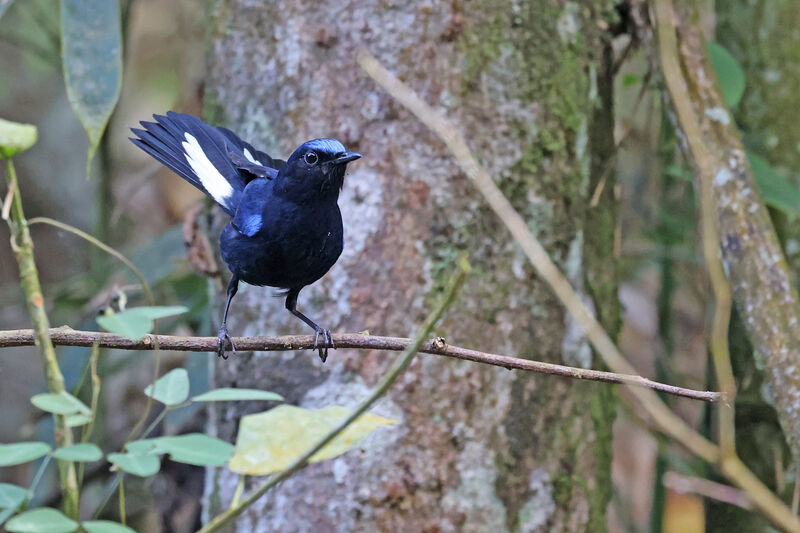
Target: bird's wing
x=251 y=155
x=249 y=217
x=198 y=152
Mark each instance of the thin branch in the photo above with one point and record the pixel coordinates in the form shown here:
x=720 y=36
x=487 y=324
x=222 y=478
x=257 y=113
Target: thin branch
x=66 y=336
x=453 y=286
x=665 y=419
x=711 y=148
x=720 y=354
x=707 y=489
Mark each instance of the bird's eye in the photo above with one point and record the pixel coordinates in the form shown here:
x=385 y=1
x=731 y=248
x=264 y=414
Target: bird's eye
x=311 y=158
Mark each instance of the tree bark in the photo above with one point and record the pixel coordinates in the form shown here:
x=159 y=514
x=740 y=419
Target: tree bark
x=477 y=449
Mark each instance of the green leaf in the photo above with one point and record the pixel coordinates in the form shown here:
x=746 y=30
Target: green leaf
x=44 y=520
x=84 y=453
x=138 y=465
x=226 y=394
x=105 y=526
x=270 y=441
x=63 y=403
x=78 y=420
x=631 y=79
x=5 y=514
x=12 y=496
x=192 y=448
x=22 y=452
x=776 y=190
x=137 y=322
x=91 y=48
x=171 y=389
x=729 y=73
x=15 y=137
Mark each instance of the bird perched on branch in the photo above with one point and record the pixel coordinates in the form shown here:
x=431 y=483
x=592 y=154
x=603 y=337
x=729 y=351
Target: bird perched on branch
x=286 y=227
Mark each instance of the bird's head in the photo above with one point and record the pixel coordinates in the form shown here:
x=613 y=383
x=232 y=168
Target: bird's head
x=316 y=167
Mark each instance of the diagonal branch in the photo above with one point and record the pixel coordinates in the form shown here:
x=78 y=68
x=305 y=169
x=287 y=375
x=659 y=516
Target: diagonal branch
x=66 y=336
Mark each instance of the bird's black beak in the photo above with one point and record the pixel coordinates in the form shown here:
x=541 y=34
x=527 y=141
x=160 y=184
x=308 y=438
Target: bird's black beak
x=346 y=158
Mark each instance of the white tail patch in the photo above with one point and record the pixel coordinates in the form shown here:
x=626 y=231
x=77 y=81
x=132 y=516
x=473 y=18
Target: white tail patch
x=212 y=181
x=250 y=157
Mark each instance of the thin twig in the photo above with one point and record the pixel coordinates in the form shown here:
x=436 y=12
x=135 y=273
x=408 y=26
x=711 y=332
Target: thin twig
x=397 y=370
x=681 y=86
x=66 y=336
x=707 y=488
x=96 y=242
x=668 y=46
x=665 y=419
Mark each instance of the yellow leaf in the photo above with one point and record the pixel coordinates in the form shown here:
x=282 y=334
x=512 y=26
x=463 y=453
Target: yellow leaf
x=270 y=441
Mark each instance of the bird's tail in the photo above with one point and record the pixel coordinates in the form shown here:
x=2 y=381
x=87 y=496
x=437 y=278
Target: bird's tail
x=197 y=152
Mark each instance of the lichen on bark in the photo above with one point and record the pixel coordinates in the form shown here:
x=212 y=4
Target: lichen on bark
x=477 y=448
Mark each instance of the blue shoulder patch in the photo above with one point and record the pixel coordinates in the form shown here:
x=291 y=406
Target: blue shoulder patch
x=250 y=225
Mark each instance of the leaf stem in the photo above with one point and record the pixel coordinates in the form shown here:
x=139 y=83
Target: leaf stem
x=29 y=276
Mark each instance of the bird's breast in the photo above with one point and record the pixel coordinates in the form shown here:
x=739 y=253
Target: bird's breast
x=289 y=251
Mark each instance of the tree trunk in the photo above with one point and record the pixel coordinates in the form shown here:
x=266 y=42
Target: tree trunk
x=477 y=448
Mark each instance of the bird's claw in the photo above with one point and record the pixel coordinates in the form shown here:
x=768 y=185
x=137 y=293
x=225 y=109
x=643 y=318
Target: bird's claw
x=221 y=338
x=327 y=339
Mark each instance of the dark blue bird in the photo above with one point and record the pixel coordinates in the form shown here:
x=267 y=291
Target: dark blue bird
x=286 y=227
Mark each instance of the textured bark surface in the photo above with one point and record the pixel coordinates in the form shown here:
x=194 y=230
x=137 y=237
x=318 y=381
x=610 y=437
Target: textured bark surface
x=477 y=449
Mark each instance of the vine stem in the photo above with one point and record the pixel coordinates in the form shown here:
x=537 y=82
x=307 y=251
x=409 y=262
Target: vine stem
x=22 y=244
x=453 y=286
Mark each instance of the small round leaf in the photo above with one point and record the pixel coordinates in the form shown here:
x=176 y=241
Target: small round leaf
x=15 y=137
x=105 y=526
x=227 y=394
x=171 y=389
x=138 y=465
x=44 y=520
x=84 y=453
x=22 y=452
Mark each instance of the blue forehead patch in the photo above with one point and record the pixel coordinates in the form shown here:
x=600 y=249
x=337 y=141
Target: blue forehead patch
x=326 y=146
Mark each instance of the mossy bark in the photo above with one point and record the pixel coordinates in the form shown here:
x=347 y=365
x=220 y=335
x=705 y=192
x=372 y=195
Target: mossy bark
x=477 y=449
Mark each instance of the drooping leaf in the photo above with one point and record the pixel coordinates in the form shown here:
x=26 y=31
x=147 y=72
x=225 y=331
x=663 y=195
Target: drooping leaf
x=43 y=520
x=269 y=441
x=78 y=420
x=776 y=190
x=137 y=322
x=63 y=403
x=85 y=453
x=171 y=389
x=15 y=137
x=227 y=394
x=138 y=465
x=729 y=73
x=192 y=448
x=91 y=48
x=105 y=526
x=12 y=496
x=22 y=452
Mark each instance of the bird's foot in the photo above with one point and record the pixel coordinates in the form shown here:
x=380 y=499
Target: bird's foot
x=221 y=338
x=327 y=342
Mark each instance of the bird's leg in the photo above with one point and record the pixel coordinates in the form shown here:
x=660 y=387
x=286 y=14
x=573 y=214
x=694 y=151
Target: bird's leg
x=327 y=338
x=223 y=336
